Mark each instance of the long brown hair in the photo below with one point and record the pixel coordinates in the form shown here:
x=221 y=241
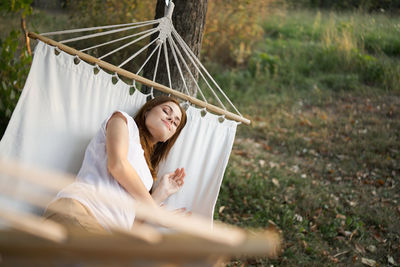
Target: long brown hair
x=154 y=154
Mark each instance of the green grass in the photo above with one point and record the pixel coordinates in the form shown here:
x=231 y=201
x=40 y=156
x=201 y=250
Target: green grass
x=321 y=158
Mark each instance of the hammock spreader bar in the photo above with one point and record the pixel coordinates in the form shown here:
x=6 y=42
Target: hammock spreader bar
x=130 y=75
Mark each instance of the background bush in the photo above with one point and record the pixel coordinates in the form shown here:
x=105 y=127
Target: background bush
x=14 y=61
x=392 y=6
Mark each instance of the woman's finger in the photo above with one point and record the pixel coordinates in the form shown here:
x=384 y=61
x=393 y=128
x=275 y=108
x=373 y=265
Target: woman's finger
x=182 y=173
x=178 y=211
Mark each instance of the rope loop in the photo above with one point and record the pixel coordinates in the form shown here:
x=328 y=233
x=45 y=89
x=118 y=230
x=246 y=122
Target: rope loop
x=96 y=69
x=203 y=112
x=57 y=50
x=115 y=78
x=77 y=60
x=221 y=118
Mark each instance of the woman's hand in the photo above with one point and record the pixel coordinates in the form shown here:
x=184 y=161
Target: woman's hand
x=169 y=184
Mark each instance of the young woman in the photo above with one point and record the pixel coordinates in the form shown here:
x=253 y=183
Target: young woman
x=120 y=166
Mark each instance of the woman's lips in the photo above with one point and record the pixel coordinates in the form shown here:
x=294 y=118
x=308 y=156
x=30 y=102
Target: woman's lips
x=167 y=124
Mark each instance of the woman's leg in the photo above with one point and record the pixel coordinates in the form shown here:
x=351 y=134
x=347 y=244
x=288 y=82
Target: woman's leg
x=73 y=215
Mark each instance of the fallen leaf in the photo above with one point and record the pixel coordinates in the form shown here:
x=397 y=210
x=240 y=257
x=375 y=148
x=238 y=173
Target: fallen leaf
x=324 y=116
x=352 y=203
x=221 y=209
x=352 y=234
x=368 y=262
x=371 y=248
x=304 y=121
x=359 y=248
x=275 y=182
x=240 y=153
x=391 y=260
x=282 y=130
x=273 y=164
x=266 y=147
x=341 y=253
x=363 y=131
x=380 y=182
x=355 y=258
x=340 y=216
x=295 y=168
x=298 y=217
x=378 y=238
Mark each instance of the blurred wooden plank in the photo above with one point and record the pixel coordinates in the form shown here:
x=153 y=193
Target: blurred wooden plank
x=193 y=225
x=50 y=180
x=33 y=225
x=96 y=246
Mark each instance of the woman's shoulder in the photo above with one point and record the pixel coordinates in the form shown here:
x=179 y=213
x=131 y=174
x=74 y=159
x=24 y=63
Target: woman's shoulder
x=121 y=114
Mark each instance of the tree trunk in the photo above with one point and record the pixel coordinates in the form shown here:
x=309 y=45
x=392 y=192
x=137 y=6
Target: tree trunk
x=189 y=18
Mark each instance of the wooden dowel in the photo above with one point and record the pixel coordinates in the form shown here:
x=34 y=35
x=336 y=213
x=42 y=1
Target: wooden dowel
x=130 y=75
x=34 y=225
x=23 y=26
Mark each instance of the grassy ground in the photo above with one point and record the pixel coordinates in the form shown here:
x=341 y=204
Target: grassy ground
x=321 y=159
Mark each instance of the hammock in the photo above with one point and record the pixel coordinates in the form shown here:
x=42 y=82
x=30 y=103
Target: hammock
x=65 y=99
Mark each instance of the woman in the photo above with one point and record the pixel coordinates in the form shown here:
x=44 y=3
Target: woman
x=120 y=166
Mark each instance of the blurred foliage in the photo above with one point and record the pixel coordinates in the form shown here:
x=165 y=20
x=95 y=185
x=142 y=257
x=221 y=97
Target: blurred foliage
x=365 y=5
x=108 y=12
x=16 y=6
x=232 y=29
x=92 y=13
x=14 y=62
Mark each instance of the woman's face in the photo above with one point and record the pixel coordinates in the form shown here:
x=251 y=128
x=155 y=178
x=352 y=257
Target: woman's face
x=163 y=120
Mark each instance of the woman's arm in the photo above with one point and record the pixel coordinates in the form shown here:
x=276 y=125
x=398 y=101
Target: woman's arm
x=117 y=144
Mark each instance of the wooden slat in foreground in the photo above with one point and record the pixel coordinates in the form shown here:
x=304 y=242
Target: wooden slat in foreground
x=33 y=225
x=86 y=247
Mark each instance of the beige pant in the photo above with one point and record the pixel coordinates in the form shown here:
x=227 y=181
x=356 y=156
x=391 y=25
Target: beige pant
x=73 y=215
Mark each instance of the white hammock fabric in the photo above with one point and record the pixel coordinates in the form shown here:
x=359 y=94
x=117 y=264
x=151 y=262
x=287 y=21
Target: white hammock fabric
x=63 y=104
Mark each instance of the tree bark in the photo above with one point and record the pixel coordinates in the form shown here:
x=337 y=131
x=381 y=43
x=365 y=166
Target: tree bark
x=189 y=19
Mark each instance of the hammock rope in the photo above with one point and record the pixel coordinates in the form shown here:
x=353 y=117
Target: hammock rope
x=98 y=28
x=156 y=67
x=116 y=40
x=178 y=65
x=168 y=38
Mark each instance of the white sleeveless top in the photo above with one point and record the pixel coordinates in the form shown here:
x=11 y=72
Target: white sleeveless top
x=94 y=182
